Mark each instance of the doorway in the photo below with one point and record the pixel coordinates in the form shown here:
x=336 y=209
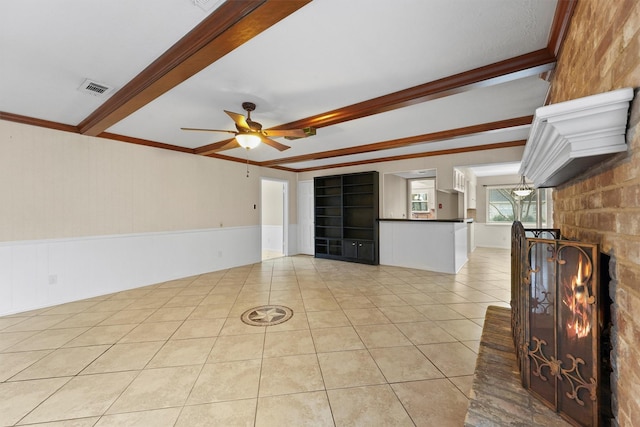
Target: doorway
x=422 y=198
x=305 y=218
x=274 y=202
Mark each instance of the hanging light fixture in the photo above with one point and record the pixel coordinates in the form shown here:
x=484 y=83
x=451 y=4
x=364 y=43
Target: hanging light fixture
x=522 y=189
x=248 y=140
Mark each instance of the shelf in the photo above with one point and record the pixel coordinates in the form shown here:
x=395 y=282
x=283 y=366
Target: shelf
x=334 y=181
x=358 y=188
x=359 y=193
x=358 y=200
x=360 y=235
x=329 y=211
x=329 y=233
x=359 y=179
x=346 y=212
x=329 y=248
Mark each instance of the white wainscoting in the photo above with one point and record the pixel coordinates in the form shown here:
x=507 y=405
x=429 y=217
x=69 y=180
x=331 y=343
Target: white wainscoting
x=292 y=240
x=272 y=238
x=493 y=235
x=36 y=274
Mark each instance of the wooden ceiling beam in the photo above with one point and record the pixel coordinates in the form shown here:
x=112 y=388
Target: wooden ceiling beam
x=533 y=63
x=145 y=142
x=47 y=124
x=228 y=27
x=530 y=64
x=236 y=22
x=25 y=120
x=495 y=146
x=538 y=62
x=560 y=25
x=403 y=142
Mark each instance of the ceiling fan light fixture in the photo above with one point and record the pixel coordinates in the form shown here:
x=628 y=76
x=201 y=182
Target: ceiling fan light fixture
x=248 y=140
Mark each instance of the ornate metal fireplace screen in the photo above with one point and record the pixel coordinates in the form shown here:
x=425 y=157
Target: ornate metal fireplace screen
x=556 y=321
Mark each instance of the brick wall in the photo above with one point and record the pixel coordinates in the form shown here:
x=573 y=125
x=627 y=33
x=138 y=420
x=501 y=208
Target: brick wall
x=602 y=53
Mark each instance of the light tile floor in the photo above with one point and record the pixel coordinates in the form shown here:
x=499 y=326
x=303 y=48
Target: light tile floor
x=366 y=346
x=268 y=254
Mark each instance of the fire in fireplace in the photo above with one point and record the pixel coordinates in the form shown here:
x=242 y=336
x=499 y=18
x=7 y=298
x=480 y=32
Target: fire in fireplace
x=577 y=301
x=559 y=314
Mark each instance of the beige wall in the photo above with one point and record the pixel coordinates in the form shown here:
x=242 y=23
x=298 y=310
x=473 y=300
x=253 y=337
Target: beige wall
x=442 y=164
x=58 y=185
x=395 y=197
x=62 y=185
x=272 y=201
x=449 y=203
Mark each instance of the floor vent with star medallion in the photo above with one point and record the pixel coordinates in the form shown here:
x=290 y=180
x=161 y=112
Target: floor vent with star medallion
x=267 y=315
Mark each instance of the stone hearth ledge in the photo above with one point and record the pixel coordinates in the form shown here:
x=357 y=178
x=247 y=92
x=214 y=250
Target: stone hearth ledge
x=497 y=396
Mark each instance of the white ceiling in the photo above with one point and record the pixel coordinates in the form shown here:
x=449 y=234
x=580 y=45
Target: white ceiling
x=495 y=169
x=327 y=55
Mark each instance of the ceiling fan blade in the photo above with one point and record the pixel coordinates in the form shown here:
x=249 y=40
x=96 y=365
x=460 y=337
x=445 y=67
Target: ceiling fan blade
x=296 y=133
x=241 y=121
x=231 y=143
x=210 y=130
x=274 y=144
x=227 y=144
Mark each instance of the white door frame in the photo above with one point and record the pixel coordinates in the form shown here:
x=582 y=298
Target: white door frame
x=301 y=225
x=285 y=212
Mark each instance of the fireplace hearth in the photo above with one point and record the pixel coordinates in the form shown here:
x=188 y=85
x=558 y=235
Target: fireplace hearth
x=560 y=323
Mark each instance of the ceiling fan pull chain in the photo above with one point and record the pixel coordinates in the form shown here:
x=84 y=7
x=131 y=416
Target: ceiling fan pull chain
x=247 y=163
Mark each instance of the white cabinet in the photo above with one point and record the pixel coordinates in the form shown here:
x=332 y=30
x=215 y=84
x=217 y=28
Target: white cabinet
x=471 y=195
x=402 y=244
x=458 y=180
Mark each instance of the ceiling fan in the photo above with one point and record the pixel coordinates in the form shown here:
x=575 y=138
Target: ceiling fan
x=250 y=134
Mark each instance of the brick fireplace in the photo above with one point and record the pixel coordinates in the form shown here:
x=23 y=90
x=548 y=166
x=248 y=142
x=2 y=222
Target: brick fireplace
x=601 y=53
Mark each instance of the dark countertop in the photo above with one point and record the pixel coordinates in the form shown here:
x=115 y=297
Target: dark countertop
x=428 y=220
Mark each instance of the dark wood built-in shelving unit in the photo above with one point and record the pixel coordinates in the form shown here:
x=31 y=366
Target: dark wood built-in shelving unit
x=346 y=212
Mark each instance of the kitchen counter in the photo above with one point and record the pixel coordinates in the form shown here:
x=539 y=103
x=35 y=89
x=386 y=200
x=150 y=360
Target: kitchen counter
x=426 y=244
x=467 y=220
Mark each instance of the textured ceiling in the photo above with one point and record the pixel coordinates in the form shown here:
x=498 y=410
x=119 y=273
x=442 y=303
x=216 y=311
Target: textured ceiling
x=321 y=57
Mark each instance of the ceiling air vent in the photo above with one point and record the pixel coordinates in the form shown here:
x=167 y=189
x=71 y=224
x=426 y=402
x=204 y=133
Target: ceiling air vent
x=94 y=88
x=207 y=5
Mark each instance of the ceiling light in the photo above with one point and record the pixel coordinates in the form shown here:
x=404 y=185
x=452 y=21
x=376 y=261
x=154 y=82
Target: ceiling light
x=248 y=140
x=522 y=189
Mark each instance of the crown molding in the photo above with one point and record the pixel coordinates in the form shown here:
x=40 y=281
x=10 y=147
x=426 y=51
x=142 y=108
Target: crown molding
x=569 y=138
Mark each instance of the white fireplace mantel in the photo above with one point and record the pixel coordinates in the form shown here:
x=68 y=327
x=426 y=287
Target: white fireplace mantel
x=569 y=137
